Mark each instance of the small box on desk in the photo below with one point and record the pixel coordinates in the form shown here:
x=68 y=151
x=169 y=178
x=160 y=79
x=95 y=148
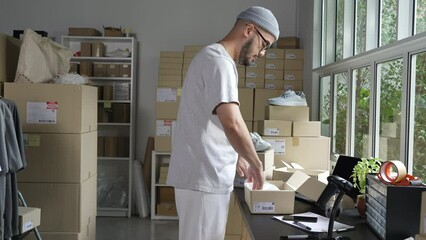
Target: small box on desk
x=393 y=211
x=29 y=218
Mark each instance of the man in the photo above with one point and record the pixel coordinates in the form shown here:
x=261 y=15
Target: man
x=211 y=140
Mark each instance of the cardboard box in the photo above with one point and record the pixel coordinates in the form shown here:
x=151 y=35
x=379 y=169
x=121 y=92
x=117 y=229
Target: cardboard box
x=287 y=113
x=121 y=113
x=294 y=54
x=171 y=54
x=110 y=149
x=269 y=173
x=288 y=42
x=275 y=53
x=241 y=72
x=86 y=68
x=123 y=147
x=192 y=48
x=104 y=113
x=257 y=73
x=10 y=48
x=169 y=71
x=246 y=99
x=165 y=60
x=261 y=97
x=101 y=146
x=293 y=85
x=64 y=207
x=278 y=144
x=293 y=64
x=113 y=70
x=167 y=209
x=74 y=67
x=235 y=220
x=274 y=64
x=293 y=75
x=284 y=173
x=267 y=158
x=307 y=129
x=274 y=74
x=55 y=108
x=169 y=84
x=124 y=70
x=249 y=125
x=98 y=49
x=73 y=31
x=170 y=77
x=259 y=63
x=99 y=69
x=29 y=218
x=108 y=91
x=282 y=201
x=165 y=194
x=171 y=65
x=167 y=104
x=308 y=152
x=85 y=49
x=275 y=128
x=113 y=32
x=60 y=158
x=274 y=84
x=163 y=135
x=255 y=83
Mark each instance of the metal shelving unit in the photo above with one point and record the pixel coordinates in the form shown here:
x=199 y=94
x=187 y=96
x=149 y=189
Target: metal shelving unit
x=114 y=173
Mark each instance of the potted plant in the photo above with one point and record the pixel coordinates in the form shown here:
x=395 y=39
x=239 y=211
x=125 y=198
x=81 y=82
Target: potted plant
x=359 y=178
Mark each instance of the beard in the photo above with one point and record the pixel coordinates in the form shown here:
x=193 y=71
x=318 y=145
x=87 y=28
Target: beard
x=244 y=58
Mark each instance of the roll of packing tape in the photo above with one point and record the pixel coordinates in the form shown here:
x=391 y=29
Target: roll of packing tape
x=393 y=171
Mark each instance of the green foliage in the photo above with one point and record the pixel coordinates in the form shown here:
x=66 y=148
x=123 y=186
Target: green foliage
x=360 y=171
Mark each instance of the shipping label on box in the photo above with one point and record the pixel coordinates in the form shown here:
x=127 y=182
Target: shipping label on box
x=275 y=53
x=42 y=112
x=277 y=143
x=274 y=74
x=294 y=54
x=255 y=83
x=274 y=84
x=166 y=94
x=163 y=128
x=255 y=73
x=293 y=75
x=274 y=64
x=275 y=128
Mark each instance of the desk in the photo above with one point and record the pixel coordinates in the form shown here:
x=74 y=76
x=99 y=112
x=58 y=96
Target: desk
x=263 y=227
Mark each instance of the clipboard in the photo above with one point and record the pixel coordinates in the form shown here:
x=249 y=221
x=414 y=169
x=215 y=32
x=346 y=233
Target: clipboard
x=315 y=227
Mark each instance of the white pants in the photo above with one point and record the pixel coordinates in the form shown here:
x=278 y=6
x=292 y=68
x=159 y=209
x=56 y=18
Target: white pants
x=202 y=216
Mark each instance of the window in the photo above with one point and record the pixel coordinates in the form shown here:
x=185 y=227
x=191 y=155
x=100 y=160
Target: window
x=420 y=25
x=388 y=21
x=360 y=29
x=419 y=146
x=362 y=79
x=325 y=111
x=341 y=110
x=339 y=28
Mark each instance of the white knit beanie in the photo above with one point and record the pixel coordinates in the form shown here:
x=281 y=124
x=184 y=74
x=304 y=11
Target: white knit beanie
x=263 y=18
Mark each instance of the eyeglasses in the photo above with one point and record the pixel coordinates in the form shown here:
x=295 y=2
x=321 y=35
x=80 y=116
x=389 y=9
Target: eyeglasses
x=266 y=46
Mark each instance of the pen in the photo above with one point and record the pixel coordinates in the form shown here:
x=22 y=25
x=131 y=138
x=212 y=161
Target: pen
x=302 y=225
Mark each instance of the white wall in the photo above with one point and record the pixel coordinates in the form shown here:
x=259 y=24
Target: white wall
x=159 y=26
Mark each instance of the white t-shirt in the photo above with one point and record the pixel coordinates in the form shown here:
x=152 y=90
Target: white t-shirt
x=202 y=158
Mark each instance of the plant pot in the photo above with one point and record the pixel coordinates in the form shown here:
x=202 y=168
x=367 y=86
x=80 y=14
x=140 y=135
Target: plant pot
x=360 y=205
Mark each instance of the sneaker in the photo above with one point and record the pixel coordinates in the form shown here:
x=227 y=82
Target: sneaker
x=259 y=144
x=289 y=98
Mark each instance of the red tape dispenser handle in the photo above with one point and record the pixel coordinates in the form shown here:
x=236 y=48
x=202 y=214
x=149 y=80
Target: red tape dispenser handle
x=395 y=173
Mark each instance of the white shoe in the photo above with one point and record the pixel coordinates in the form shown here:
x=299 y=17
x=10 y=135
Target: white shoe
x=259 y=144
x=289 y=98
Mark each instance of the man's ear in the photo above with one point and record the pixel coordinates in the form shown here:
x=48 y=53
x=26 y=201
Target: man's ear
x=248 y=29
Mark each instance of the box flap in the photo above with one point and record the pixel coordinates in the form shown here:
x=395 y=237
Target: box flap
x=297 y=179
x=306 y=185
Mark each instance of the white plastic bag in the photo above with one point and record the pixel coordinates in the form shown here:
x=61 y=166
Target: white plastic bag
x=41 y=59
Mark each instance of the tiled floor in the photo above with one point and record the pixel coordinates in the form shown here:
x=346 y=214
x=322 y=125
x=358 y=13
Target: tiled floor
x=135 y=228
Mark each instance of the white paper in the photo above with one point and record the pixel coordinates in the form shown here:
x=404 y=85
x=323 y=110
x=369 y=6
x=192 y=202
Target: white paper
x=272 y=131
x=27 y=226
x=264 y=207
x=166 y=95
x=42 y=112
x=320 y=226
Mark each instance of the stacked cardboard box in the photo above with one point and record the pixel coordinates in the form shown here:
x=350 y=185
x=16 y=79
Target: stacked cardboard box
x=293 y=69
x=170 y=73
x=189 y=53
x=166 y=205
x=166 y=109
x=60 y=131
x=255 y=74
x=295 y=139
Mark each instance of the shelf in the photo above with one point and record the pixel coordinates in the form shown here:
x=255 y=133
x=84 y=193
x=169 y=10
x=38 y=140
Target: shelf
x=115 y=172
x=161 y=185
x=102 y=59
x=114 y=101
x=114 y=124
x=117 y=79
x=114 y=158
x=160 y=217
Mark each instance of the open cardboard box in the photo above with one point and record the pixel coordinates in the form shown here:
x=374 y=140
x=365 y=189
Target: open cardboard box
x=284 y=173
x=282 y=201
